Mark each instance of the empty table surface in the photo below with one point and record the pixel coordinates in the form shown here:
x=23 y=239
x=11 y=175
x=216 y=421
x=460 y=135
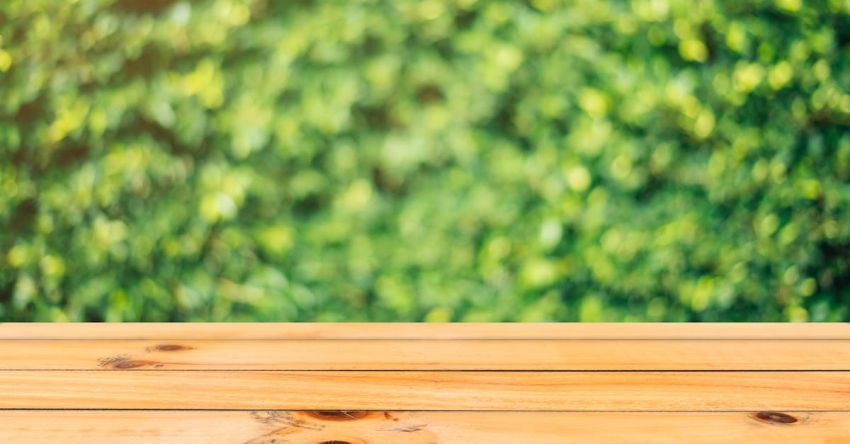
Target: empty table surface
x=424 y=383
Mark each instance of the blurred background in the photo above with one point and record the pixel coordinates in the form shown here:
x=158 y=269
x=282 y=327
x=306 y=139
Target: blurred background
x=424 y=160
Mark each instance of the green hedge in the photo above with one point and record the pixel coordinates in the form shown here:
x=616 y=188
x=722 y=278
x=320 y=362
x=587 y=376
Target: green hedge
x=464 y=160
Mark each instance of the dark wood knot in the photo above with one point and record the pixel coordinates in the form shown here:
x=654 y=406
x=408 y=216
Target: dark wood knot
x=169 y=347
x=338 y=415
x=775 y=418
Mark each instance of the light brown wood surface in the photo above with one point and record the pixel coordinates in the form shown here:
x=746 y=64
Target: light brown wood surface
x=395 y=354
x=417 y=390
x=267 y=427
x=414 y=383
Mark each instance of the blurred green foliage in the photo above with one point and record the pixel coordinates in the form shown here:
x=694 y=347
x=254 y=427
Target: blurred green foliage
x=464 y=160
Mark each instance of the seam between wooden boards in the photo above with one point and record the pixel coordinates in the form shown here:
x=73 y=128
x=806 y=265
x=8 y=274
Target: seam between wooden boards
x=590 y=412
x=407 y=370
x=632 y=338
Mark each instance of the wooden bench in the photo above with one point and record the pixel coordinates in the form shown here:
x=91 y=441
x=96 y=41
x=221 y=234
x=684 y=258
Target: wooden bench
x=424 y=383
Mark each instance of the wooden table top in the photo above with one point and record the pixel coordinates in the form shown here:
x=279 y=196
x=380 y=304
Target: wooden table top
x=424 y=383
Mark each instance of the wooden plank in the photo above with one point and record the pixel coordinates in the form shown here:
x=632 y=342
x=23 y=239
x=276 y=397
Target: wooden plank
x=570 y=355
x=186 y=331
x=266 y=427
x=417 y=390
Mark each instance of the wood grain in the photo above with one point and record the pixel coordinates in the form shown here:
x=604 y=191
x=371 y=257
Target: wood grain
x=267 y=427
x=412 y=331
x=418 y=390
x=424 y=383
x=497 y=354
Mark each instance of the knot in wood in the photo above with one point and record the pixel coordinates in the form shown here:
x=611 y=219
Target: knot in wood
x=775 y=418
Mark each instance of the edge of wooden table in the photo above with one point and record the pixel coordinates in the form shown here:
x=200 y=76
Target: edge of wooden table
x=412 y=331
